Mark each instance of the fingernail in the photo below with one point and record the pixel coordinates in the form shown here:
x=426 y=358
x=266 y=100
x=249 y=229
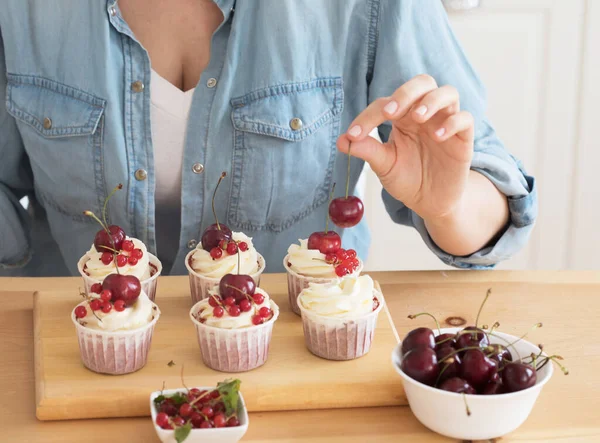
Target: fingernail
x=421 y=110
x=355 y=131
x=391 y=107
x=440 y=132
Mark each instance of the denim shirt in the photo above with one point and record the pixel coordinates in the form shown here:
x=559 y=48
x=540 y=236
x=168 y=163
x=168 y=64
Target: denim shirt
x=75 y=121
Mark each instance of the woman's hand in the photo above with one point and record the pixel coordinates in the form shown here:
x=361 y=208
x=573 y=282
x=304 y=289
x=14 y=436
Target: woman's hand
x=426 y=162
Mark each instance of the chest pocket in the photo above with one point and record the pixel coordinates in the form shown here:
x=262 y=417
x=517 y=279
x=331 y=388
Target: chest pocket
x=284 y=152
x=61 y=128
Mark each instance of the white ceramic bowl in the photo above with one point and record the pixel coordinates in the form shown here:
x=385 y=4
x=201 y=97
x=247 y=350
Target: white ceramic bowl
x=212 y=435
x=492 y=416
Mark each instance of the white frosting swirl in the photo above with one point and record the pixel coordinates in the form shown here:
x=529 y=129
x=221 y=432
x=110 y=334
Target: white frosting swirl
x=133 y=317
x=205 y=265
x=309 y=262
x=348 y=297
x=98 y=270
x=244 y=320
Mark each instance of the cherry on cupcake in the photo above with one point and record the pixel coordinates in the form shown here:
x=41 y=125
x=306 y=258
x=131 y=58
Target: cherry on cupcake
x=215 y=233
x=123 y=287
x=326 y=242
x=110 y=237
x=236 y=286
x=347 y=211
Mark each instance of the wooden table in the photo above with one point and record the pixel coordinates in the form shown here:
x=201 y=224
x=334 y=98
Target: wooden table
x=568 y=303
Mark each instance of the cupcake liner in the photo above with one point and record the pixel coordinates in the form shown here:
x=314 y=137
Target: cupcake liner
x=148 y=286
x=200 y=285
x=340 y=339
x=234 y=350
x=115 y=353
x=298 y=282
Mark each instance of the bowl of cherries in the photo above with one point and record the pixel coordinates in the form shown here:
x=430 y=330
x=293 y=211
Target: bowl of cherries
x=202 y=414
x=472 y=383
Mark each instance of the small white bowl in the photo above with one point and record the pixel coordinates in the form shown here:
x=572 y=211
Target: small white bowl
x=212 y=435
x=492 y=416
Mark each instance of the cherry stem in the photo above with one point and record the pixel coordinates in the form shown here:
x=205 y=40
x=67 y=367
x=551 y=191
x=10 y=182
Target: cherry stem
x=413 y=316
x=508 y=344
x=238 y=254
x=534 y=327
x=348 y=174
x=223 y=175
x=116 y=188
x=446 y=366
x=467 y=348
x=330 y=199
x=466 y=404
x=236 y=289
x=554 y=359
x=182 y=382
x=112 y=241
x=200 y=397
x=487 y=295
x=216 y=299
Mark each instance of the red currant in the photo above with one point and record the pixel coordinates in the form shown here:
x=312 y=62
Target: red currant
x=197 y=420
x=127 y=246
x=341 y=270
x=162 y=420
x=341 y=254
x=208 y=411
x=132 y=260
x=331 y=258
x=96 y=288
x=106 y=307
x=257 y=320
x=234 y=311
x=205 y=425
x=95 y=304
x=355 y=263
x=216 y=253
x=223 y=244
x=214 y=301
x=264 y=312
x=229 y=301
x=106 y=258
x=220 y=421
x=351 y=253
x=258 y=298
x=218 y=312
x=120 y=305
x=185 y=410
x=178 y=421
x=121 y=260
x=348 y=264
x=80 y=311
x=219 y=407
x=243 y=246
x=215 y=394
x=232 y=248
x=233 y=422
x=245 y=305
x=137 y=253
x=106 y=295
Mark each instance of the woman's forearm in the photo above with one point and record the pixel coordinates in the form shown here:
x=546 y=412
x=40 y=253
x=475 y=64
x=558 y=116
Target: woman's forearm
x=482 y=214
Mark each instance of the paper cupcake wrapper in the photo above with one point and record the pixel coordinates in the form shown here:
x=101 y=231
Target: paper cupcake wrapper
x=115 y=353
x=235 y=350
x=339 y=339
x=297 y=282
x=200 y=285
x=148 y=286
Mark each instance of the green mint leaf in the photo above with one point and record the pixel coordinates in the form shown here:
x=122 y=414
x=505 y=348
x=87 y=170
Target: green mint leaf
x=159 y=399
x=230 y=390
x=171 y=363
x=179 y=398
x=182 y=432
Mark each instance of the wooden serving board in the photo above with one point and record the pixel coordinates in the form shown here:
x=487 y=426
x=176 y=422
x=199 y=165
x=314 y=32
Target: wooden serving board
x=292 y=378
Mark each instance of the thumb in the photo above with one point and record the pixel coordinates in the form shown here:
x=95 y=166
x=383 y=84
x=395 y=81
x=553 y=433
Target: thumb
x=379 y=155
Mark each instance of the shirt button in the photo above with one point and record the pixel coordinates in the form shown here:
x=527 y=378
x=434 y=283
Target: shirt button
x=211 y=83
x=197 y=168
x=47 y=123
x=112 y=10
x=192 y=244
x=296 y=124
x=141 y=175
x=137 y=86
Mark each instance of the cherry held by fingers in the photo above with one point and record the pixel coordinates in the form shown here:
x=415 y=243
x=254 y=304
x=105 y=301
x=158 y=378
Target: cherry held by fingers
x=346 y=212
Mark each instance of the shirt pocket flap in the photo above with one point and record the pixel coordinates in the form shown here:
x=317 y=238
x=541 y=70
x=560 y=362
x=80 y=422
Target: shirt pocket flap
x=290 y=111
x=51 y=108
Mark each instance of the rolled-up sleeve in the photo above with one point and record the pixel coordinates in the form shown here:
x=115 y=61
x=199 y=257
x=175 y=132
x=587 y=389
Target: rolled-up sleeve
x=414 y=37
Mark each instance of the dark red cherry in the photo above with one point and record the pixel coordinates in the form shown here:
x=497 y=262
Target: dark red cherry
x=123 y=287
x=326 y=242
x=212 y=236
x=458 y=385
x=492 y=388
x=451 y=367
x=420 y=337
x=500 y=354
x=476 y=368
x=236 y=285
x=346 y=212
x=476 y=338
x=103 y=242
x=420 y=364
x=518 y=376
x=445 y=340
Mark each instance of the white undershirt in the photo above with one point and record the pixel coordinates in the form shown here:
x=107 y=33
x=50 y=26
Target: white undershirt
x=169 y=113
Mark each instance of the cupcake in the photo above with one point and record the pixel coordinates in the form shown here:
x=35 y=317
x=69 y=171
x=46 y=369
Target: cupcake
x=320 y=259
x=234 y=324
x=221 y=252
x=113 y=249
x=115 y=326
x=339 y=317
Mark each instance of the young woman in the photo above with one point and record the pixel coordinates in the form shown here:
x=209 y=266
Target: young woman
x=163 y=96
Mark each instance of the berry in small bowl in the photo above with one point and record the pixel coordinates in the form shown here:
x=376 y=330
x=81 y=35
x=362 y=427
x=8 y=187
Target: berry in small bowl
x=202 y=414
x=474 y=383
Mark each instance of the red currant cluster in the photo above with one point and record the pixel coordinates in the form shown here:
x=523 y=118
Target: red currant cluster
x=198 y=409
x=229 y=246
x=128 y=254
x=235 y=306
x=345 y=261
